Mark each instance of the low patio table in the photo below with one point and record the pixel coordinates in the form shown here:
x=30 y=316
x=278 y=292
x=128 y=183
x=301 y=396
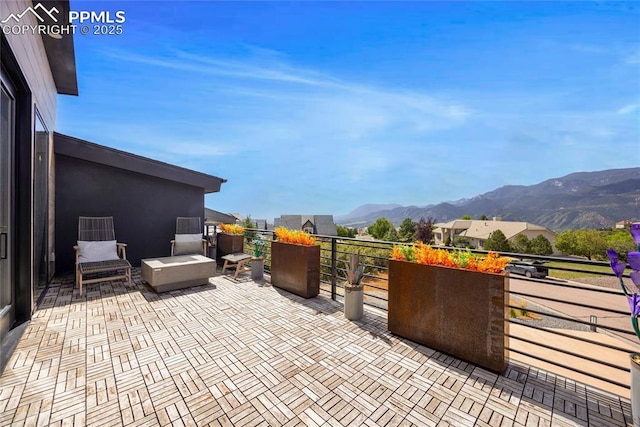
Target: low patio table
x=177 y=272
x=237 y=260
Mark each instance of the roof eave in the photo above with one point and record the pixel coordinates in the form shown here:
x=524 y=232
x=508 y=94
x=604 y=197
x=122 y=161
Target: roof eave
x=84 y=150
x=60 y=51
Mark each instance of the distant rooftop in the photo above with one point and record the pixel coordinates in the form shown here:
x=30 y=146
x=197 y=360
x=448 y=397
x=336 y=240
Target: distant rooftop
x=317 y=224
x=213 y=216
x=482 y=229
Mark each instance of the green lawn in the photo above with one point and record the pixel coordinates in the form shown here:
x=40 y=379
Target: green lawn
x=589 y=270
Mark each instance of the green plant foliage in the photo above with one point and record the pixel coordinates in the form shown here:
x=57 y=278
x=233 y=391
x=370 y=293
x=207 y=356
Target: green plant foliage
x=461 y=242
x=540 y=245
x=346 y=231
x=590 y=244
x=463 y=257
x=620 y=241
x=498 y=242
x=407 y=230
x=259 y=247
x=408 y=252
x=248 y=223
x=521 y=244
x=380 y=228
x=355 y=270
x=373 y=259
x=566 y=242
x=392 y=235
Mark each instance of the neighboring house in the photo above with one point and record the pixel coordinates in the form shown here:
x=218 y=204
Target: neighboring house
x=449 y=230
x=35 y=69
x=239 y=218
x=313 y=224
x=214 y=217
x=624 y=224
x=261 y=224
x=478 y=231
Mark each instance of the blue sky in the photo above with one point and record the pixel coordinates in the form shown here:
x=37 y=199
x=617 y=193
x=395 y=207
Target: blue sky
x=309 y=107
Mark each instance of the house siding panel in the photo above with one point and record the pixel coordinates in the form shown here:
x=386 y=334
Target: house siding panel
x=30 y=54
x=26 y=67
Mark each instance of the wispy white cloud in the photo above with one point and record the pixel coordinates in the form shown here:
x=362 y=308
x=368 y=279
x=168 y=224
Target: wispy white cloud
x=280 y=72
x=274 y=109
x=628 y=109
x=180 y=60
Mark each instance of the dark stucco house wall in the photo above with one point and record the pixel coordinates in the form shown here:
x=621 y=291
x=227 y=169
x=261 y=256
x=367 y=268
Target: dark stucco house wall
x=143 y=196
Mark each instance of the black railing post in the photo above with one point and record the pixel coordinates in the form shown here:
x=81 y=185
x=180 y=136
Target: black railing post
x=334 y=267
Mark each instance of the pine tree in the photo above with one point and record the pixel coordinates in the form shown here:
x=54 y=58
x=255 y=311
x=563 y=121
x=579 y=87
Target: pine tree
x=498 y=242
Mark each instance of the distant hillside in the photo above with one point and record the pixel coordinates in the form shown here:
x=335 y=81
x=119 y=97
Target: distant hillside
x=579 y=200
x=364 y=210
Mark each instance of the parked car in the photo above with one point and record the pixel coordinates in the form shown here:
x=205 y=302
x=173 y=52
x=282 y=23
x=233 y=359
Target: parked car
x=528 y=268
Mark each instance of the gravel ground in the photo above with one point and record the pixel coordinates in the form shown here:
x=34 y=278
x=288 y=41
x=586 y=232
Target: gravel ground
x=551 y=322
x=605 y=281
x=548 y=321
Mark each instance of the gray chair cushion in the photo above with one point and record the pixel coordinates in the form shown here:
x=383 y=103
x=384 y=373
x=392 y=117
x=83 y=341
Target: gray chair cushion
x=188 y=244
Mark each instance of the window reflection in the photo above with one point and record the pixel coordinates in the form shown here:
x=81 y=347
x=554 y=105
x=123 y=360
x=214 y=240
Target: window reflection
x=41 y=247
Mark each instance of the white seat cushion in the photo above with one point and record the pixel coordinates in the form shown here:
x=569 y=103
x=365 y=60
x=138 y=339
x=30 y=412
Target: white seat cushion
x=91 y=251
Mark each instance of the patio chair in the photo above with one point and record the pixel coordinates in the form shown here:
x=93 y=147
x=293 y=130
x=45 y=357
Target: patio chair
x=98 y=252
x=188 y=239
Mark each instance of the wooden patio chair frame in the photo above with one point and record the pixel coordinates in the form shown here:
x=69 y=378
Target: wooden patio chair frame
x=100 y=229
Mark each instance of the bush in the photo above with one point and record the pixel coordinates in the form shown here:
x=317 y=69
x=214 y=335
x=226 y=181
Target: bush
x=498 y=242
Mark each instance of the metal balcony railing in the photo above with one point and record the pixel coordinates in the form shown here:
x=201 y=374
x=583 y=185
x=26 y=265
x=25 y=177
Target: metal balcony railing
x=585 y=329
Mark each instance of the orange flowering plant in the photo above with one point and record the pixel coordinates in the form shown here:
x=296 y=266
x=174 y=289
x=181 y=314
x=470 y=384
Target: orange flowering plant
x=425 y=254
x=231 y=228
x=297 y=237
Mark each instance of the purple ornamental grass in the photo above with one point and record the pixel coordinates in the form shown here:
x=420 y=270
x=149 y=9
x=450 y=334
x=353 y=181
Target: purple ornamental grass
x=616 y=265
x=635 y=278
x=634 y=262
x=633 y=258
x=635 y=232
x=618 y=268
x=634 y=304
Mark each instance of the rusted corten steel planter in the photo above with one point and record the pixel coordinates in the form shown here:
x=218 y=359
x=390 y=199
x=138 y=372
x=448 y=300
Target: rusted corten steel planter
x=228 y=244
x=459 y=312
x=296 y=268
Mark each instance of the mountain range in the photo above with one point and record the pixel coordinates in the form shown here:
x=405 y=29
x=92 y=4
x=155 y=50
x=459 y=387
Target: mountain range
x=578 y=200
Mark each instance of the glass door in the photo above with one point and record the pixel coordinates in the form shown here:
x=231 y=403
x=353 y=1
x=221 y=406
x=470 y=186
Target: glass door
x=40 y=210
x=7 y=310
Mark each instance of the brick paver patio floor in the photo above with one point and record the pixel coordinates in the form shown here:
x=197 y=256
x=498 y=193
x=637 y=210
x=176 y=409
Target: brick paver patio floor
x=235 y=353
